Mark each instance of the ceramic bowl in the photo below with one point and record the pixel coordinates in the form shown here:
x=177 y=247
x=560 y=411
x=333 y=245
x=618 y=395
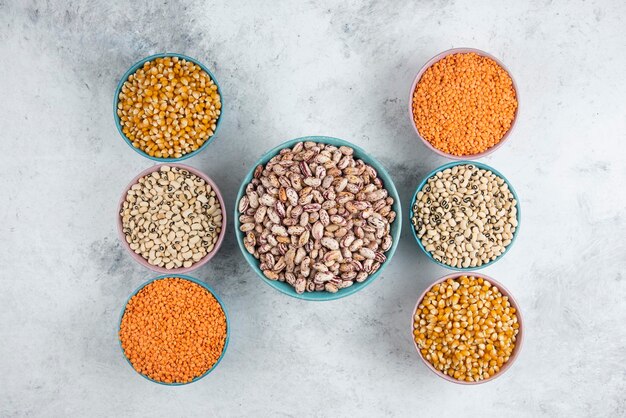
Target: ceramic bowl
x=418 y=77
x=137 y=257
x=132 y=70
x=191 y=279
x=395 y=227
x=518 y=342
x=479 y=165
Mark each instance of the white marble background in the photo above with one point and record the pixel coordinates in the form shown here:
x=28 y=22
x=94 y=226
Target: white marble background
x=288 y=69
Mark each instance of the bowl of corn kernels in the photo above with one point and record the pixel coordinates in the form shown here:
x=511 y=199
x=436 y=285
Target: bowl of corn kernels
x=463 y=104
x=467 y=328
x=173 y=330
x=168 y=107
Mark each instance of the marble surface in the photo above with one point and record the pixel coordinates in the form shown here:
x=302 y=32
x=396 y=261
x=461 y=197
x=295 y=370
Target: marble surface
x=289 y=69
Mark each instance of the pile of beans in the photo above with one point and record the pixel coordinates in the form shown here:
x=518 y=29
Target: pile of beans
x=173 y=330
x=317 y=218
x=171 y=217
x=466 y=328
x=464 y=104
x=465 y=216
x=169 y=107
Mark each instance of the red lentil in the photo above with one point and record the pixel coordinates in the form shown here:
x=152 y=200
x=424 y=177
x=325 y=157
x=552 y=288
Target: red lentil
x=464 y=104
x=173 y=330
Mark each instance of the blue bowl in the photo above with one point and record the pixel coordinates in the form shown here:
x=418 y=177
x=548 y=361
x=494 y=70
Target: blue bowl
x=132 y=70
x=449 y=165
x=191 y=279
x=395 y=227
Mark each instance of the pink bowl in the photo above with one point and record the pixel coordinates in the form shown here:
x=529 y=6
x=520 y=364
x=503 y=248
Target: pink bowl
x=143 y=261
x=418 y=77
x=518 y=341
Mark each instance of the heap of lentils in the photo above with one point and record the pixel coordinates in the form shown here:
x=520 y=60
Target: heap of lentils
x=173 y=330
x=317 y=218
x=465 y=216
x=171 y=217
x=464 y=104
x=466 y=328
x=169 y=107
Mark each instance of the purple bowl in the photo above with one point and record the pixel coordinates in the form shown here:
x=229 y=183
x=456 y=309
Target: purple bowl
x=418 y=77
x=181 y=270
x=519 y=337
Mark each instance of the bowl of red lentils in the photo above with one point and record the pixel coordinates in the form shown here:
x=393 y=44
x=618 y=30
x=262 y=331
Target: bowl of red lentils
x=168 y=107
x=467 y=328
x=173 y=330
x=463 y=104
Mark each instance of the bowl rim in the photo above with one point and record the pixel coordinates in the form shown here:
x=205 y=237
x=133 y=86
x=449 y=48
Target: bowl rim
x=417 y=79
x=196 y=281
x=138 y=258
x=132 y=70
x=389 y=185
x=519 y=338
x=479 y=165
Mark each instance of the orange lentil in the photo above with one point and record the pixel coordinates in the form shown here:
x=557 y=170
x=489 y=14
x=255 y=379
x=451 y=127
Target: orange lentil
x=173 y=330
x=464 y=104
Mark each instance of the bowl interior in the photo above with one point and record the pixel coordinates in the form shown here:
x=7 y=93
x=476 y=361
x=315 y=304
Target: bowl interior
x=443 y=167
x=142 y=260
x=518 y=342
x=418 y=77
x=395 y=227
x=132 y=70
x=191 y=279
